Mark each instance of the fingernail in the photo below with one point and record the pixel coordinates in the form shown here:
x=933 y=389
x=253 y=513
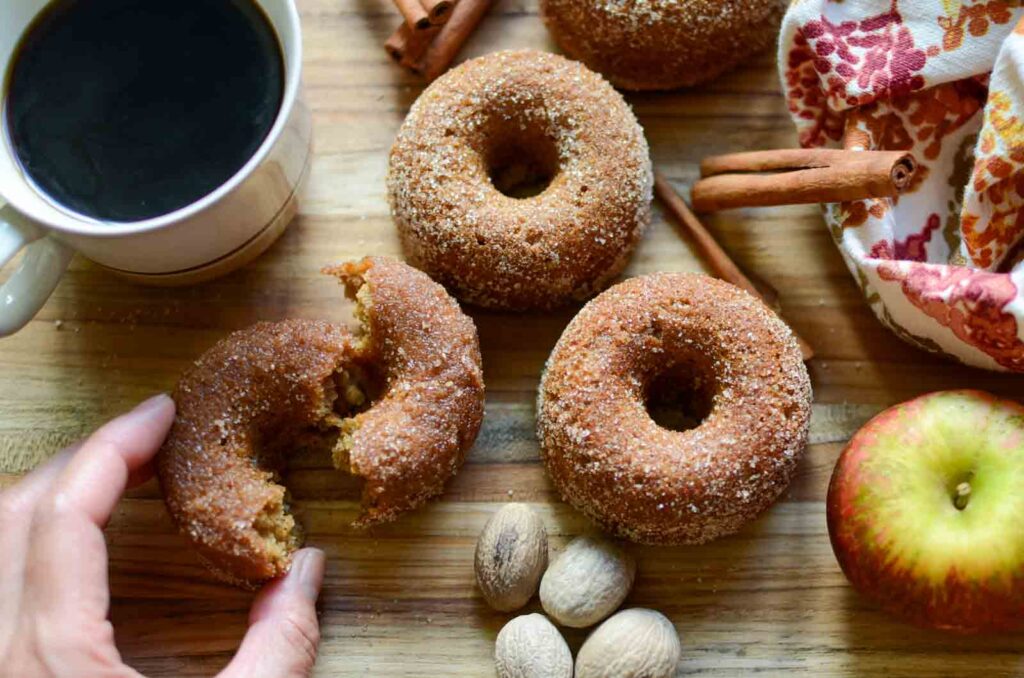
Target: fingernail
x=307 y=573
x=150 y=406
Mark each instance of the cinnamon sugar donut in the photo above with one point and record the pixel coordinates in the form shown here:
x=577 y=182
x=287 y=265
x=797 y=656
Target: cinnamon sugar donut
x=398 y=407
x=609 y=458
x=482 y=132
x=662 y=44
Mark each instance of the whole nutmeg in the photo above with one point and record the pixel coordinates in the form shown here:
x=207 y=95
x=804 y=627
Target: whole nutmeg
x=586 y=582
x=635 y=643
x=531 y=647
x=511 y=555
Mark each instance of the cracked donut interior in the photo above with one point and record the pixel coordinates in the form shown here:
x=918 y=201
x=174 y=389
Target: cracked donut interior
x=351 y=389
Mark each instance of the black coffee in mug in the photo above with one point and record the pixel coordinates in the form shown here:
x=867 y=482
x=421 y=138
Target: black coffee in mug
x=124 y=110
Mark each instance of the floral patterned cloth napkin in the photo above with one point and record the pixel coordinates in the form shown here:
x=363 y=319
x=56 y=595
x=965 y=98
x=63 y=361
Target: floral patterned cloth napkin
x=942 y=265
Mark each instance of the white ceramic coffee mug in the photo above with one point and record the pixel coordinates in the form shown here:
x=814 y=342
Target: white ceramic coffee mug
x=210 y=237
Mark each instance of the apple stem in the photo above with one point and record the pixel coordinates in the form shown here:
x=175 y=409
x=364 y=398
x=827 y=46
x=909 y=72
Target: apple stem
x=963 y=494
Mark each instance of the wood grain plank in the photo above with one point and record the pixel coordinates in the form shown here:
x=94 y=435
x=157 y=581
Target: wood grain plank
x=399 y=599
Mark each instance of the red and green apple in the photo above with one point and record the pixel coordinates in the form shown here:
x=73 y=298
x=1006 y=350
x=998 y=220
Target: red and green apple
x=926 y=511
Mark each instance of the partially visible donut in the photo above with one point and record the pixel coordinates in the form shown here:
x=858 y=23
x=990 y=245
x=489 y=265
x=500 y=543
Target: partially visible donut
x=399 y=404
x=662 y=44
x=499 y=121
x=608 y=457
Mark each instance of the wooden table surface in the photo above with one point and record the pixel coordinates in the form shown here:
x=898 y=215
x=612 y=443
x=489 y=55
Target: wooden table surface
x=400 y=600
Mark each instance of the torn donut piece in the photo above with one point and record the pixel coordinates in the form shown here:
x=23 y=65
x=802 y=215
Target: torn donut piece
x=426 y=351
x=398 y=405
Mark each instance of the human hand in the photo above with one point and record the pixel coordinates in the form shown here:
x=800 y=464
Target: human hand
x=54 y=593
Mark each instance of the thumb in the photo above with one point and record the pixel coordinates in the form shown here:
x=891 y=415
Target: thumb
x=283 y=631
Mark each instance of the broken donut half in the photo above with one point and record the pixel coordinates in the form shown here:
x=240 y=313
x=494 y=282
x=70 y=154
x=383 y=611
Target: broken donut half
x=398 y=403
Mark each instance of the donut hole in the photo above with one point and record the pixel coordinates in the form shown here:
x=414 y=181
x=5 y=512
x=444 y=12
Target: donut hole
x=356 y=387
x=679 y=397
x=522 y=159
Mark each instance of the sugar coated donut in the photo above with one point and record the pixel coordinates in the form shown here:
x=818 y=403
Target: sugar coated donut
x=482 y=132
x=662 y=44
x=644 y=482
x=398 y=406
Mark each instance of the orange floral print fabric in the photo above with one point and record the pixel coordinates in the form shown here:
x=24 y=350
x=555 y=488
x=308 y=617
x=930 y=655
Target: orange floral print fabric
x=942 y=264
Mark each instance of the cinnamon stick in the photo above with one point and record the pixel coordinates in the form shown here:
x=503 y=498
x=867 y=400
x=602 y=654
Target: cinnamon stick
x=710 y=251
x=414 y=13
x=396 y=43
x=797 y=176
x=439 y=11
x=406 y=46
x=453 y=35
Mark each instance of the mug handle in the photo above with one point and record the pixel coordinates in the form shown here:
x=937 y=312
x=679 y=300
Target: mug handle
x=44 y=263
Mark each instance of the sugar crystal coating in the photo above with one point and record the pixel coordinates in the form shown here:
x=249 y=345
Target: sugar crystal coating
x=662 y=44
x=505 y=116
x=609 y=458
